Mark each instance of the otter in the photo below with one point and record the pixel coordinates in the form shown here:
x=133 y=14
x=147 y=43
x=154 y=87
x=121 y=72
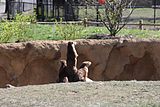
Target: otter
x=68 y=71
x=63 y=72
x=72 y=62
x=83 y=71
x=65 y=79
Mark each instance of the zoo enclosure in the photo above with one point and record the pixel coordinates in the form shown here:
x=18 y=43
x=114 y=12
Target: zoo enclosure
x=71 y=10
x=48 y=10
x=16 y=7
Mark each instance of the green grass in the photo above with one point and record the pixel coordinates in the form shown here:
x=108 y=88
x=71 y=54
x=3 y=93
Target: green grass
x=138 y=14
x=47 y=32
x=41 y=32
x=20 y=30
x=124 y=32
x=150 y=34
x=145 y=13
x=72 y=32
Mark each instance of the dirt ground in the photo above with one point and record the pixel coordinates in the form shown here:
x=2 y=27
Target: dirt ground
x=95 y=94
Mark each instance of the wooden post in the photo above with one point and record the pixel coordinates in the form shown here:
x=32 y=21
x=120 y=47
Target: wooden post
x=141 y=24
x=154 y=2
x=85 y=22
x=86 y=12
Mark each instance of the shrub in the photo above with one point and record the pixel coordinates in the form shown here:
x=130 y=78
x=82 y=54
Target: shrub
x=68 y=31
x=114 y=15
x=15 y=30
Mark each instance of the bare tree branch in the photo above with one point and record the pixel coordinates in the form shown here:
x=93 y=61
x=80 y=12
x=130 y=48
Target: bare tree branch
x=114 y=15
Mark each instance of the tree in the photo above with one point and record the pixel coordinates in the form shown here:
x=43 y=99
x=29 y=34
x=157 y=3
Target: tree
x=113 y=15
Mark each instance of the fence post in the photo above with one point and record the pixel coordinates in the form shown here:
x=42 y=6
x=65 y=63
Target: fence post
x=86 y=10
x=97 y=13
x=8 y=8
x=141 y=24
x=154 y=3
x=85 y=22
x=23 y=7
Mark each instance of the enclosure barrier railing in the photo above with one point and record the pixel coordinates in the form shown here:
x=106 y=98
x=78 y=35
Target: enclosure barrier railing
x=17 y=7
x=86 y=23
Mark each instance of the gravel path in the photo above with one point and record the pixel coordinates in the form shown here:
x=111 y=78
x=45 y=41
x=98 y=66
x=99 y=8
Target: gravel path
x=95 y=94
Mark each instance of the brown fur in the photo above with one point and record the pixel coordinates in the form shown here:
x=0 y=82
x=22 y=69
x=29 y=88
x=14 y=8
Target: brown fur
x=83 y=71
x=65 y=79
x=62 y=71
x=68 y=71
x=72 y=62
x=71 y=55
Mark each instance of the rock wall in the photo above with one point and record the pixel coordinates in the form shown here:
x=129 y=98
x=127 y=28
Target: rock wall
x=38 y=62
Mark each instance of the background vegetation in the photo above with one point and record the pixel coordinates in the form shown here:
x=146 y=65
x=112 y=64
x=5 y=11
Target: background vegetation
x=139 y=13
x=23 y=28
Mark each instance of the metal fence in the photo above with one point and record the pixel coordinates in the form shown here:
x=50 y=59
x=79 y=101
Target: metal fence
x=47 y=10
x=55 y=9
x=19 y=7
x=146 y=10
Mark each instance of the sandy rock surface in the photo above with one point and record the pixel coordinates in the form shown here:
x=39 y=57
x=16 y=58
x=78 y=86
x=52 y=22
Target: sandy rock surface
x=38 y=62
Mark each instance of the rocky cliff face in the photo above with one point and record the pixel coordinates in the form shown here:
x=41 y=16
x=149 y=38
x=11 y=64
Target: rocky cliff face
x=38 y=62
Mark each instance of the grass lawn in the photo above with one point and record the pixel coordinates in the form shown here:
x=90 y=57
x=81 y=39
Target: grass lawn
x=139 y=13
x=45 y=32
x=144 y=13
x=20 y=30
x=67 y=32
x=41 y=32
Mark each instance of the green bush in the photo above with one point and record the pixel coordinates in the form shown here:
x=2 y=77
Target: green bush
x=15 y=30
x=68 y=31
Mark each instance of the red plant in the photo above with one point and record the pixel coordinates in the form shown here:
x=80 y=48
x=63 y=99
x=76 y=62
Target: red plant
x=101 y=2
